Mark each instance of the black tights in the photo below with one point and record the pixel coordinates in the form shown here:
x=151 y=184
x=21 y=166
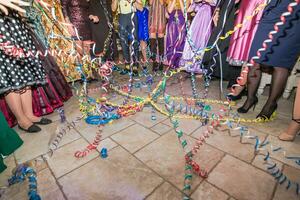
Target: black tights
x=279 y=79
x=153 y=47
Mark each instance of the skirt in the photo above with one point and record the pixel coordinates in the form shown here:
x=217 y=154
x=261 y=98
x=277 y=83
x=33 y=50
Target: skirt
x=45 y=98
x=284 y=49
x=143 y=30
x=9 y=141
x=241 y=40
x=176 y=34
x=17 y=73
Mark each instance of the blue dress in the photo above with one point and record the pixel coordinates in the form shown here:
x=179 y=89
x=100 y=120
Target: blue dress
x=143 y=30
x=284 y=50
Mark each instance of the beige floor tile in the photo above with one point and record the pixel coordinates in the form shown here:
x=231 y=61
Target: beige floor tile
x=107 y=143
x=47 y=187
x=70 y=136
x=134 y=137
x=144 y=117
x=186 y=125
x=89 y=131
x=241 y=180
x=260 y=163
x=166 y=192
x=64 y=161
x=166 y=157
x=231 y=144
x=274 y=127
x=290 y=148
x=207 y=191
x=281 y=193
x=120 y=176
x=5 y=175
x=16 y=192
x=36 y=144
x=161 y=128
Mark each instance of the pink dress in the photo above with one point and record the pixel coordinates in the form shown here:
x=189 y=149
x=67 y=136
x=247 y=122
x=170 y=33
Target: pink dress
x=241 y=40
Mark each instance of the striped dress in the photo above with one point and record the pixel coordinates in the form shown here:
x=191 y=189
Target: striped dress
x=157 y=19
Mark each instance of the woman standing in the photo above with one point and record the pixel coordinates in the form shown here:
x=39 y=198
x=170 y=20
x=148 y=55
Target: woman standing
x=102 y=32
x=199 y=33
x=18 y=74
x=212 y=62
x=241 y=40
x=280 y=55
x=78 y=14
x=176 y=32
x=157 y=29
x=50 y=96
x=143 y=30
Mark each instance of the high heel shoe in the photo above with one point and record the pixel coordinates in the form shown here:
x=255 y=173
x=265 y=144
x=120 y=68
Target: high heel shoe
x=245 y=110
x=267 y=116
x=237 y=97
x=286 y=136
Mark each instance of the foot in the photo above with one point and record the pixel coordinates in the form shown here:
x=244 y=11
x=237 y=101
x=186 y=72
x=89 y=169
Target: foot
x=33 y=118
x=248 y=104
x=44 y=121
x=237 y=94
x=25 y=123
x=32 y=129
x=291 y=132
x=267 y=111
x=154 y=67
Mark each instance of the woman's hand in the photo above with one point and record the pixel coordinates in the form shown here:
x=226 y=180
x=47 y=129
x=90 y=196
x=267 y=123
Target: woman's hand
x=94 y=18
x=216 y=16
x=13 y=4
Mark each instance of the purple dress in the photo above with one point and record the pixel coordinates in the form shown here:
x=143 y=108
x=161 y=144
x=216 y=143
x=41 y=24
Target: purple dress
x=199 y=34
x=176 y=33
x=78 y=12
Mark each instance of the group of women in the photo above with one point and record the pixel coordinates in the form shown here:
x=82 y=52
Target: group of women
x=177 y=31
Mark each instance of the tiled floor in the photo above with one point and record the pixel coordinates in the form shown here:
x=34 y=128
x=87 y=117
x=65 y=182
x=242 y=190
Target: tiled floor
x=145 y=160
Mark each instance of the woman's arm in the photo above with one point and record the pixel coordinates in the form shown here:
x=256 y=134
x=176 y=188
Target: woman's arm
x=138 y=5
x=171 y=6
x=191 y=7
x=181 y=3
x=114 y=5
x=13 y=4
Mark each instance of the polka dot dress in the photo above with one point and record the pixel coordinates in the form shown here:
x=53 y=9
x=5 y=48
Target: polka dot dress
x=17 y=73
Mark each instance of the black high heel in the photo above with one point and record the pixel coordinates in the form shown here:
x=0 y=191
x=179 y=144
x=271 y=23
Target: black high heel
x=237 y=97
x=267 y=116
x=245 y=110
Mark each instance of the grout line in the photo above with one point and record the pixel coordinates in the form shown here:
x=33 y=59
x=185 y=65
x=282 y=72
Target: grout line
x=206 y=179
x=85 y=163
x=155 y=188
x=77 y=168
x=56 y=180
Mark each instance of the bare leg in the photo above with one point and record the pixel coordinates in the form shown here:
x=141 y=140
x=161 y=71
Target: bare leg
x=14 y=102
x=294 y=126
x=144 y=50
x=26 y=100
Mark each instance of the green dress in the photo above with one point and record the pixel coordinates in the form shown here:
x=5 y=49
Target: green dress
x=9 y=141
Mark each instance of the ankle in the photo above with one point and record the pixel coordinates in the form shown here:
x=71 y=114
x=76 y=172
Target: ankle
x=25 y=123
x=33 y=118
